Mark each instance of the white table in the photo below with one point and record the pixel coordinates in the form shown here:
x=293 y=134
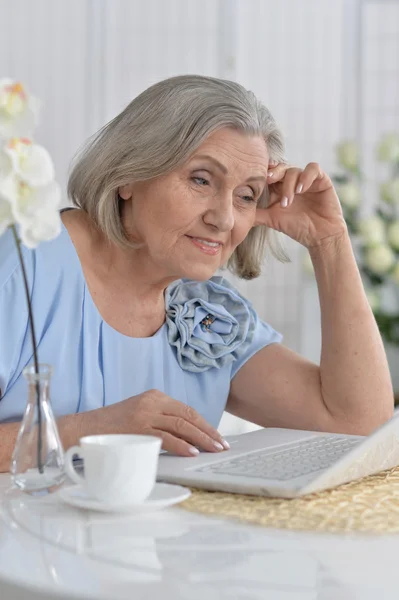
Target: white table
x=49 y=550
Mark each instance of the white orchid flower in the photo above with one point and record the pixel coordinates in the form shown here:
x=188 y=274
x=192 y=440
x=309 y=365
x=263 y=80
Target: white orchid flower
x=30 y=162
x=349 y=194
x=380 y=259
x=6 y=216
x=390 y=191
x=348 y=155
x=36 y=210
x=393 y=234
x=29 y=196
x=18 y=109
x=372 y=230
x=8 y=182
x=388 y=148
x=45 y=227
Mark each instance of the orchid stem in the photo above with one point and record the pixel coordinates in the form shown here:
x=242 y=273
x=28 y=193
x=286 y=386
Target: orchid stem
x=35 y=357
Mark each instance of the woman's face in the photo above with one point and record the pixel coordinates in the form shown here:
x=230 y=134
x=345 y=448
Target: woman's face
x=191 y=220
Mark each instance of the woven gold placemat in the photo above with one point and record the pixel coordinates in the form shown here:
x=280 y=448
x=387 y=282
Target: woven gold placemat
x=369 y=505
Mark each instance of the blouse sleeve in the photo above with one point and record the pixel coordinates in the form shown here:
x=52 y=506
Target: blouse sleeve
x=264 y=335
x=212 y=326
x=13 y=312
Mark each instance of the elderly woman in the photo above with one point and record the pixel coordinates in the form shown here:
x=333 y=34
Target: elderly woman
x=143 y=337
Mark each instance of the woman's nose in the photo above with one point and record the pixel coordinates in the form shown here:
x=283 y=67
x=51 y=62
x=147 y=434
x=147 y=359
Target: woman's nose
x=220 y=213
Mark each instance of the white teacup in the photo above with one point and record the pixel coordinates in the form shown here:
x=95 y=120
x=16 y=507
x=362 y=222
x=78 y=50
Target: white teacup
x=119 y=470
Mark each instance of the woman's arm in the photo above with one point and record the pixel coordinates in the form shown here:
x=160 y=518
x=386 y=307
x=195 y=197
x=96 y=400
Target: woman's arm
x=351 y=391
x=354 y=373
x=71 y=429
x=181 y=428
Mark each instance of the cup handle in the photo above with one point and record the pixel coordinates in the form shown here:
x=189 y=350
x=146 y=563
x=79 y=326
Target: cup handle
x=69 y=454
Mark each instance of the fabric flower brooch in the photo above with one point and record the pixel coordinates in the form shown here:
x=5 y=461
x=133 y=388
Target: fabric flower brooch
x=209 y=323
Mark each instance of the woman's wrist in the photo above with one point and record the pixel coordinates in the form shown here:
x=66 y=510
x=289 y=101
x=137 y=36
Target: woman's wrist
x=337 y=273
x=331 y=248
x=75 y=426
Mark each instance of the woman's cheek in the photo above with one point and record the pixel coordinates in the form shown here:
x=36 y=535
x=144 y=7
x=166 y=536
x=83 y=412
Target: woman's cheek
x=244 y=226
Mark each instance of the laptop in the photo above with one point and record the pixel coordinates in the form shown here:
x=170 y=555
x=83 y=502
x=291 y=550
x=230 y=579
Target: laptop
x=286 y=463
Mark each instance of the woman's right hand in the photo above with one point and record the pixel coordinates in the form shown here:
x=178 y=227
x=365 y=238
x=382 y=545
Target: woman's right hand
x=181 y=428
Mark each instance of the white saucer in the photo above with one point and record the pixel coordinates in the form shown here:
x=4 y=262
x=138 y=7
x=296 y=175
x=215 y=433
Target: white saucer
x=163 y=495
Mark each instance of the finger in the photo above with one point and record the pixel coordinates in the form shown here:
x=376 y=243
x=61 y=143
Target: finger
x=276 y=173
x=175 y=445
x=307 y=177
x=184 y=430
x=287 y=188
x=173 y=408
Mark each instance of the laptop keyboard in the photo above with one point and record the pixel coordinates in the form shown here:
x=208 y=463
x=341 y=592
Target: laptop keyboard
x=286 y=463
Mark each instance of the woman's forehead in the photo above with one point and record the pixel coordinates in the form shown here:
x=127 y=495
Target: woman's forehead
x=230 y=147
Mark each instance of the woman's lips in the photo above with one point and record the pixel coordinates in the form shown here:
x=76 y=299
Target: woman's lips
x=207 y=247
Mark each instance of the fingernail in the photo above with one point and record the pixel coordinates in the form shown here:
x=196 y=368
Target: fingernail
x=284 y=202
x=193 y=451
x=226 y=445
x=299 y=188
x=270 y=173
x=218 y=446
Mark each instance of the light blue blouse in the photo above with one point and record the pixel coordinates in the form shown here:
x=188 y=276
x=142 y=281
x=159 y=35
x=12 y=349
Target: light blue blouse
x=94 y=365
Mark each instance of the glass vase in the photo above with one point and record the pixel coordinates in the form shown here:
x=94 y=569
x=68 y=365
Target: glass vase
x=37 y=464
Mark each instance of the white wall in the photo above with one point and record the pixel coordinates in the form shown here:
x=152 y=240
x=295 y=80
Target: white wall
x=86 y=59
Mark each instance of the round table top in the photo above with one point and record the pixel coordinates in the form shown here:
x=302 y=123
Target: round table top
x=57 y=552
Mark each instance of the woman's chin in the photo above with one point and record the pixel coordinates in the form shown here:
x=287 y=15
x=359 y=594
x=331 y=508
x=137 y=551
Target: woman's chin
x=198 y=273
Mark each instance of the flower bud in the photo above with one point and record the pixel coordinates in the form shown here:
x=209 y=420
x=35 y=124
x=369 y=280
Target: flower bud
x=388 y=148
x=372 y=231
x=348 y=155
x=379 y=259
x=349 y=194
x=18 y=110
x=390 y=191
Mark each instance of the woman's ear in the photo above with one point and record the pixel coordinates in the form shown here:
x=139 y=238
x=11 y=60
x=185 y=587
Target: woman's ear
x=126 y=191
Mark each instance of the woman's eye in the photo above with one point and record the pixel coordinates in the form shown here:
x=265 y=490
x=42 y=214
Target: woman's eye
x=200 y=180
x=250 y=198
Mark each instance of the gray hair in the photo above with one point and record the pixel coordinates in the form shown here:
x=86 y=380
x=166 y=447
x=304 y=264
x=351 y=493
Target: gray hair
x=158 y=131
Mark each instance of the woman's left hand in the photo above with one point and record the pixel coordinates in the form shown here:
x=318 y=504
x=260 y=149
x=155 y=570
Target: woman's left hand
x=303 y=204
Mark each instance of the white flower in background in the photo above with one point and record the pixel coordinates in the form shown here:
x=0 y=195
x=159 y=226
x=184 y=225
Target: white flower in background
x=390 y=191
x=29 y=196
x=393 y=234
x=30 y=162
x=379 y=259
x=18 y=110
x=37 y=212
x=349 y=194
x=29 y=201
x=388 y=148
x=374 y=299
x=348 y=155
x=372 y=230
x=6 y=216
x=395 y=274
